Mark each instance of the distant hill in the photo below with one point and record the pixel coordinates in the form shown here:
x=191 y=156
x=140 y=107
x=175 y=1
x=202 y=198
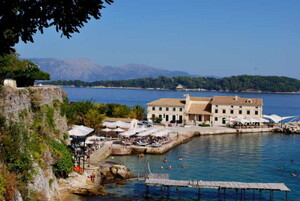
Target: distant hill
x=86 y=70
x=240 y=83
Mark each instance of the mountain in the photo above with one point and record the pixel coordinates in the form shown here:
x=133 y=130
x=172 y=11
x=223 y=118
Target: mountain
x=86 y=70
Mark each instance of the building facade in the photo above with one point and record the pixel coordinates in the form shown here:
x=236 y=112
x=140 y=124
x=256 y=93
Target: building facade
x=201 y=110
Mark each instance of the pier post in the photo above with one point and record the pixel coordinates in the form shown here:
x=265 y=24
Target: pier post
x=259 y=194
x=218 y=193
x=236 y=192
x=147 y=189
x=224 y=193
x=199 y=193
x=253 y=195
x=286 y=196
x=168 y=191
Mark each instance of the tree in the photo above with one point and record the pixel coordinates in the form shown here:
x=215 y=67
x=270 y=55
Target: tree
x=137 y=112
x=94 y=119
x=22 y=19
x=23 y=71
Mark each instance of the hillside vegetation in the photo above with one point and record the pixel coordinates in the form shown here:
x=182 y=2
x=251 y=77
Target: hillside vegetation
x=233 y=83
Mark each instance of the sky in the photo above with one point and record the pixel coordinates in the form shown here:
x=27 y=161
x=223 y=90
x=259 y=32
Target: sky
x=201 y=37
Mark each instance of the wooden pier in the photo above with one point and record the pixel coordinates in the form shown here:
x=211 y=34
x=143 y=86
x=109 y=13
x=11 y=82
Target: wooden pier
x=164 y=181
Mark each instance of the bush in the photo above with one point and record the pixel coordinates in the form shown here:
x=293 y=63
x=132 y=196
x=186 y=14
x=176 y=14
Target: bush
x=64 y=164
x=204 y=125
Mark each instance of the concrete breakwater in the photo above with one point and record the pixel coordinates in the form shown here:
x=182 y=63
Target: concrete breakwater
x=290 y=128
x=179 y=136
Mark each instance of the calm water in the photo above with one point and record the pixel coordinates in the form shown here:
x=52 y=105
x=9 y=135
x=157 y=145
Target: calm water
x=244 y=158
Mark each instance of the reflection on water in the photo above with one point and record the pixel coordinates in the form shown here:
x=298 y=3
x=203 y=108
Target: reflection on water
x=244 y=158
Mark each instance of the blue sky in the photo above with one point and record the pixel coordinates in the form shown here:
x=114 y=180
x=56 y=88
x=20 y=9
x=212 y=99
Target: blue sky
x=201 y=37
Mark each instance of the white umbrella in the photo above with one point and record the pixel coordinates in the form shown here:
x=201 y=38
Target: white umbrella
x=106 y=129
x=118 y=130
x=91 y=138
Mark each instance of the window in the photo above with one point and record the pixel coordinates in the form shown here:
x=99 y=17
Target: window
x=231 y=106
x=217 y=106
x=216 y=111
x=160 y=108
x=167 y=109
x=167 y=117
x=240 y=112
x=231 y=111
x=153 y=116
x=256 y=112
x=248 y=111
x=153 y=108
x=173 y=117
x=199 y=118
x=241 y=106
x=174 y=109
x=180 y=117
x=224 y=111
x=223 y=120
x=216 y=118
x=256 y=107
x=160 y=116
x=180 y=109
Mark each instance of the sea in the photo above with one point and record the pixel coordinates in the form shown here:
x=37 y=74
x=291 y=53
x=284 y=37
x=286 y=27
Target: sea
x=255 y=157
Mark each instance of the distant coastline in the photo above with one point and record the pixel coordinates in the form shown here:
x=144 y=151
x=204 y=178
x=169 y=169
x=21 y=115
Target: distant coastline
x=241 y=83
x=164 y=89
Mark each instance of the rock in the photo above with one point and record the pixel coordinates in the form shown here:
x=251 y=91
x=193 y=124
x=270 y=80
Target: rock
x=110 y=170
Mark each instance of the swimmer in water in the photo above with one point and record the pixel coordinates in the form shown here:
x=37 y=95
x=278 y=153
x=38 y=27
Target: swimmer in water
x=165 y=160
x=170 y=167
x=162 y=167
x=180 y=158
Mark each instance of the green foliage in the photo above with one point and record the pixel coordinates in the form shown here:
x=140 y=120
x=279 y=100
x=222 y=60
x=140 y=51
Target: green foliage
x=23 y=71
x=121 y=111
x=2 y=186
x=137 y=112
x=157 y=120
x=22 y=19
x=64 y=164
x=94 y=119
x=233 y=83
x=15 y=151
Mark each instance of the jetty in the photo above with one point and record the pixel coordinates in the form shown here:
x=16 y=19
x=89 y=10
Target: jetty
x=162 y=180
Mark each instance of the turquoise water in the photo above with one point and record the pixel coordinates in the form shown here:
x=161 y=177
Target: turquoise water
x=243 y=158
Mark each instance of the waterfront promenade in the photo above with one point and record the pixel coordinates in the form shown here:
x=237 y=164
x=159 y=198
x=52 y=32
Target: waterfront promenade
x=181 y=135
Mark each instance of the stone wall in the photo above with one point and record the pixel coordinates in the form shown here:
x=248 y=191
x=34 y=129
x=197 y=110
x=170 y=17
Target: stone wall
x=14 y=100
x=21 y=105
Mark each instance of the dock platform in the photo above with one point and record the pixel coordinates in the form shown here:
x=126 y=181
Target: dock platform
x=164 y=181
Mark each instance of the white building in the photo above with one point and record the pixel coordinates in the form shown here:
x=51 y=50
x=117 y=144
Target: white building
x=202 y=110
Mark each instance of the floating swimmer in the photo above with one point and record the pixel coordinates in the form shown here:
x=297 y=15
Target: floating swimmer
x=180 y=158
x=165 y=160
x=170 y=167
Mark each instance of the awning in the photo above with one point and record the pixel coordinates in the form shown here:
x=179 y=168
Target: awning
x=276 y=119
x=80 y=131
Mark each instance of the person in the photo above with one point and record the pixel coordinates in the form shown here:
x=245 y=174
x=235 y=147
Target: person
x=170 y=167
x=165 y=160
x=162 y=167
x=180 y=158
